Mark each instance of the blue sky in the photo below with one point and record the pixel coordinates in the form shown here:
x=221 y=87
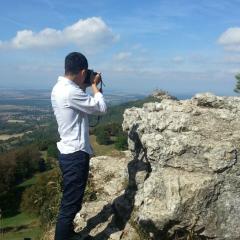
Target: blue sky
x=180 y=46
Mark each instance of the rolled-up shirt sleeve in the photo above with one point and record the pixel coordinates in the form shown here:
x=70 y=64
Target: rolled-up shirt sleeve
x=84 y=102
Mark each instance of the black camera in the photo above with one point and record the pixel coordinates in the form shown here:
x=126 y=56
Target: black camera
x=88 y=77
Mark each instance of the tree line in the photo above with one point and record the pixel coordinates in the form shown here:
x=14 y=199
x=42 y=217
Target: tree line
x=18 y=165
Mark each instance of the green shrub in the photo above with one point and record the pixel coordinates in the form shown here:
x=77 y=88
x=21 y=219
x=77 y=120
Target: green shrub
x=103 y=138
x=121 y=142
x=52 y=150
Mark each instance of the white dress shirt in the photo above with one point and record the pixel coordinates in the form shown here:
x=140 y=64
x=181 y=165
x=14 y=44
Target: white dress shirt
x=71 y=106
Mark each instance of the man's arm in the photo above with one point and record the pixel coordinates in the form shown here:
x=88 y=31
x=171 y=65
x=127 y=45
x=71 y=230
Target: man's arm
x=82 y=101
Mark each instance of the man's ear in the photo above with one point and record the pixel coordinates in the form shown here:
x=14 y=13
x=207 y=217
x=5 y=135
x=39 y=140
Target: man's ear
x=84 y=72
x=82 y=75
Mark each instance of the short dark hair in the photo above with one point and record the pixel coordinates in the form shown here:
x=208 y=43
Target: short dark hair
x=74 y=62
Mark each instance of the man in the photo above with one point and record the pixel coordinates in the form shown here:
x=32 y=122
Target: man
x=71 y=106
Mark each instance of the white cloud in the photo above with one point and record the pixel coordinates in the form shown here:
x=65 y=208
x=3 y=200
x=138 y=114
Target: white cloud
x=136 y=46
x=232 y=59
x=230 y=39
x=89 y=34
x=233 y=71
x=178 y=59
x=123 y=55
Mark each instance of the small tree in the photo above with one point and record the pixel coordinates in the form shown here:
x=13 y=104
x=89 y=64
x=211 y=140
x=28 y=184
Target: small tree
x=237 y=88
x=103 y=138
x=121 y=142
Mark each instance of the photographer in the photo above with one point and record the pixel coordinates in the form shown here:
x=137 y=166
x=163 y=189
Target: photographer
x=71 y=105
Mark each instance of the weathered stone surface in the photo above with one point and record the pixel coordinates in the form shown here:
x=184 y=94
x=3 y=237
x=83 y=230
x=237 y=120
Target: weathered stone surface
x=98 y=218
x=187 y=171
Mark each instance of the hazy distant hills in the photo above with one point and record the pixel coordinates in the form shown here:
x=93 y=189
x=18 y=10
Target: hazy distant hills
x=29 y=97
x=42 y=97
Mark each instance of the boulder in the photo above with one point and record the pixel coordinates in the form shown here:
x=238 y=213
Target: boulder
x=186 y=169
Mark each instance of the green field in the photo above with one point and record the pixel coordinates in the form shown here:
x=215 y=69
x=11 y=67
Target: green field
x=20 y=226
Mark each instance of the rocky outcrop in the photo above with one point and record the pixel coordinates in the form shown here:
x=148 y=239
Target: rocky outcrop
x=186 y=177
x=180 y=178
x=98 y=218
x=161 y=94
x=107 y=188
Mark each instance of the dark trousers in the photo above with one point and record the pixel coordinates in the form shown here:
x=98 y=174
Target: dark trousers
x=75 y=169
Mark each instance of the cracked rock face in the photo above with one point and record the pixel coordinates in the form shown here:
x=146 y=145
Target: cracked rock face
x=192 y=182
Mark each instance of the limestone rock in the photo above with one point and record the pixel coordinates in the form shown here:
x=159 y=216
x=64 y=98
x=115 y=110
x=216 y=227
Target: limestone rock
x=191 y=180
x=161 y=94
x=98 y=218
x=180 y=178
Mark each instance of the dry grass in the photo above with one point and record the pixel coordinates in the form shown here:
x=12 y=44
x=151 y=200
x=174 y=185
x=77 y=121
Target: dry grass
x=49 y=233
x=7 y=136
x=16 y=121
